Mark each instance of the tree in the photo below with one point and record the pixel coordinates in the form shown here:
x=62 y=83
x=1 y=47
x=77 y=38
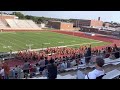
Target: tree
x=19 y=14
x=28 y=17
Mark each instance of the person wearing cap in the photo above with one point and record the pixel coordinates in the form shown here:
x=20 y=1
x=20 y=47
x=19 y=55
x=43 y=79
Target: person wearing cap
x=98 y=73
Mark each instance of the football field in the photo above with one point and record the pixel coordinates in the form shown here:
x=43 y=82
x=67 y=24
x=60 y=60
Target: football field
x=23 y=40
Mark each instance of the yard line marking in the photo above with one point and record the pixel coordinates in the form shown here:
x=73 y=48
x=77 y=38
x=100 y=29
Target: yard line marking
x=72 y=41
x=17 y=40
x=46 y=43
x=60 y=42
x=11 y=42
x=84 y=43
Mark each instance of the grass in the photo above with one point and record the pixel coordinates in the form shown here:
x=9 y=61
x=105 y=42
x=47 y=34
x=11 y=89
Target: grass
x=18 y=40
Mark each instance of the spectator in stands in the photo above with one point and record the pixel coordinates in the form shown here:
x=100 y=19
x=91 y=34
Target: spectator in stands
x=26 y=69
x=2 y=73
x=46 y=61
x=45 y=72
x=16 y=71
x=31 y=70
x=42 y=65
x=19 y=72
x=98 y=73
x=6 y=70
x=108 y=52
x=52 y=70
x=88 y=56
x=12 y=73
x=117 y=53
x=63 y=66
x=68 y=64
x=73 y=63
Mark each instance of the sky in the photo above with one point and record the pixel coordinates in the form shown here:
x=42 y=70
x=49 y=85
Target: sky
x=106 y=16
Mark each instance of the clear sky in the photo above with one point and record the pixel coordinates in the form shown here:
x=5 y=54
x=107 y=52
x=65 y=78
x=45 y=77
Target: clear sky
x=105 y=15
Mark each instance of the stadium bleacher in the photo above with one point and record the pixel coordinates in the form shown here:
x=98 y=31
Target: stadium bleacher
x=2 y=25
x=15 y=23
x=31 y=23
x=11 y=23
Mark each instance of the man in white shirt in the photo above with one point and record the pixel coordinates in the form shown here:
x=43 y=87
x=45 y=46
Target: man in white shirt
x=98 y=73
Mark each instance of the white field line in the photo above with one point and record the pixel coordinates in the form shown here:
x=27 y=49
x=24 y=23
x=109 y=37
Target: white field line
x=63 y=46
x=72 y=41
x=12 y=43
x=60 y=42
x=46 y=43
x=77 y=36
x=7 y=32
x=83 y=43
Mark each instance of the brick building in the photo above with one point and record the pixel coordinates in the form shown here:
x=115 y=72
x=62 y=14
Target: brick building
x=60 y=25
x=106 y=24
x=91 y=23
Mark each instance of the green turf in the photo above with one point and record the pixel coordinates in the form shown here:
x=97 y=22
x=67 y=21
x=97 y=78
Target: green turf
x=18 y=40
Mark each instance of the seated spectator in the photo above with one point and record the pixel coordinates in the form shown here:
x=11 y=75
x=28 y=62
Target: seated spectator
x=2 y=73
x=52 y=70
x=26 y=69
x=117 y=53
x=98 y=73
x=73 y=63
x=62 y=66
x=45 y=72
x=31 y=70
x=68 y=64
x=19 y=72
x=12 y=73
x=42 y=65
x=58 y=67
x=16 y=71
x=46 y=61
x=112 y=56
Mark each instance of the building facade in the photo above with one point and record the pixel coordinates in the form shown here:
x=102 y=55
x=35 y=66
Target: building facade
x=91 y=23
x=60 y=25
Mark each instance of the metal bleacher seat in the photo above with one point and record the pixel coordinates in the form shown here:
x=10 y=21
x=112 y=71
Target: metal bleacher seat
x=12 y=23
x=112 y=74
x=2 y=25
x=32 y=24
x=20 y=23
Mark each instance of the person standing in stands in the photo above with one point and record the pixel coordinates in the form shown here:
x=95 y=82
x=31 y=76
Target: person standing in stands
x=52 y=70
x=41 y=64
x=46 y=60
x=2 y=73
x=88 y=55
x=6 y=70
x=98 y=73
x=26 y=69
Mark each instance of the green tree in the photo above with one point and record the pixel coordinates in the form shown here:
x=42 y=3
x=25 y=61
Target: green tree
x=19 y=14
